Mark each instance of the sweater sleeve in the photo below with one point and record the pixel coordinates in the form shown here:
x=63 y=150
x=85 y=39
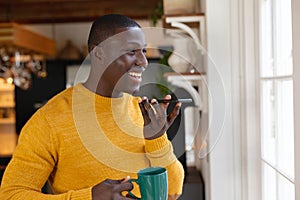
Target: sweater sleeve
x=160 y=153
x=32 y=163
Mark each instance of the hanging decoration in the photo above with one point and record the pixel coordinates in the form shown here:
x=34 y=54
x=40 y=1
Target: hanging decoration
x=22 y=54
x=19 y=68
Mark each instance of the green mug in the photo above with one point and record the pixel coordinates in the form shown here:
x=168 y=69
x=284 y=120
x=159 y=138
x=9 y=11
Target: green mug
x=153 y=183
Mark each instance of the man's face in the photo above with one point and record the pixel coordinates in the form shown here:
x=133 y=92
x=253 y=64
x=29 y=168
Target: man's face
x=126 y=54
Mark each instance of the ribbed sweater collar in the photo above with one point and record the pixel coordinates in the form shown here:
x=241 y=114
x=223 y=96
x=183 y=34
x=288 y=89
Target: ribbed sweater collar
x=100 y=100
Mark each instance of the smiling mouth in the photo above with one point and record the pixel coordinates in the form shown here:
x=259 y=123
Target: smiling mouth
x=135 y=75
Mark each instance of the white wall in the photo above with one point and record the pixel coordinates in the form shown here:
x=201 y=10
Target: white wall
x=223 y=45
x=78 y=33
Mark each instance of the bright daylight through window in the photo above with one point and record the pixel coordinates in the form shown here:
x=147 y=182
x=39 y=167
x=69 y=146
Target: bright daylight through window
x=276 y=100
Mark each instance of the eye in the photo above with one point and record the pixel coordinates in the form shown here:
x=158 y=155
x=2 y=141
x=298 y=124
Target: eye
x=134 y=51
x=131 y=51
x=144 y=51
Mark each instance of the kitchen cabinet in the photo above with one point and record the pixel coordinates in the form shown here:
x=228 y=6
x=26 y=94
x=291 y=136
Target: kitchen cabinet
x=43 y=89
x=8 y=137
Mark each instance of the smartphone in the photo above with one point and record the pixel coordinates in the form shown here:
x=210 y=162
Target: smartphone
x=174 y=100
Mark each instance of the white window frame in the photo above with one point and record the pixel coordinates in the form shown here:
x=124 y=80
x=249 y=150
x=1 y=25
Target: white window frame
x=252 y=182
x=296 y=79
x=250 y=104
x=239 y=21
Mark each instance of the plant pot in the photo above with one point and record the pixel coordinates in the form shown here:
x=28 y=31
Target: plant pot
x=180 y=59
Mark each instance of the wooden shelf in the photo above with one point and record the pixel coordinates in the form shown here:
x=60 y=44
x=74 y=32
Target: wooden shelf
x=170 y=76
x=6 y=89
x=186 y=23
x=8 y=137
x=7 y=105
x=6 y=95
x=188 y=19
x=8 y=142
x=15 y=35
x=9 y=120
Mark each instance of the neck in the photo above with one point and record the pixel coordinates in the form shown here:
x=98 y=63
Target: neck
x=96 y=88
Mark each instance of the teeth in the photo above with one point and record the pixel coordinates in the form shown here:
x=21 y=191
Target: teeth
x=135 y=74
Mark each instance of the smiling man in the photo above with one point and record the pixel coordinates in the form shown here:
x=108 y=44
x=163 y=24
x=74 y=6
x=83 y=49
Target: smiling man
x=120 y=61
x=89 y=139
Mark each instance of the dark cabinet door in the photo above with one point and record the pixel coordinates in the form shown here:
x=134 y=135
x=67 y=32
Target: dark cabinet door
x=28 y=101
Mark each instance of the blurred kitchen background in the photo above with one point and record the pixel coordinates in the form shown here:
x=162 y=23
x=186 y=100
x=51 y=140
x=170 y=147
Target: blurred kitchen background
x=234 y=58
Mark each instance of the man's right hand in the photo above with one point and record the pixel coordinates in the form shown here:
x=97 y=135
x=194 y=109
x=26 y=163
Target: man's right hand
x=156 y=120
x=111 y=189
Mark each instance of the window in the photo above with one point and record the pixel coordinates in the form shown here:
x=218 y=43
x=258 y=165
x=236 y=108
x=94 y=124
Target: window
x=276 y=100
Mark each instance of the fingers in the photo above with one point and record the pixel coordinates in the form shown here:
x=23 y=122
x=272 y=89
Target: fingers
x=175 y=112
x=168 y=97
x=112 y=182
x=157 y=111
x=125 y=198
x=144 y=111
x=126 y=179
x=111 y=189
x=149 y=109
x=123 y=187
x=156 y=121
x=120 y=185
x=165 y=105
x=152 y=112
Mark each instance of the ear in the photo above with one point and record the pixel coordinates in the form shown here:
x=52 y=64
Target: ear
x=98 y=52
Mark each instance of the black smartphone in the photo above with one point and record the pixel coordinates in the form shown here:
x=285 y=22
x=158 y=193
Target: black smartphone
x=174 y=100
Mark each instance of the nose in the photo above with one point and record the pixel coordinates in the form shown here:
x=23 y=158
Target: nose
x=141 y=59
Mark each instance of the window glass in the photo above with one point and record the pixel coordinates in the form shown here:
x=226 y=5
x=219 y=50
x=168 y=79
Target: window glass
x=285 y=130
x=276 y=40
x=266 y=57
x=268 y=122
x=286 y=189
x=277 y=112
x=269 y=183
x=277 y=124
x=275 y=186
x=283 y=32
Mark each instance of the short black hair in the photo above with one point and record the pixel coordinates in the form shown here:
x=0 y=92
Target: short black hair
x=106 y=25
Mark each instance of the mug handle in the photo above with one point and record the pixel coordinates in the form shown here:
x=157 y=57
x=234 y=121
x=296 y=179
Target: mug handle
x=129 y=192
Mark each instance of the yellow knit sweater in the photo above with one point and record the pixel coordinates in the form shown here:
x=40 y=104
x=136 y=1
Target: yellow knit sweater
x=79 y=139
